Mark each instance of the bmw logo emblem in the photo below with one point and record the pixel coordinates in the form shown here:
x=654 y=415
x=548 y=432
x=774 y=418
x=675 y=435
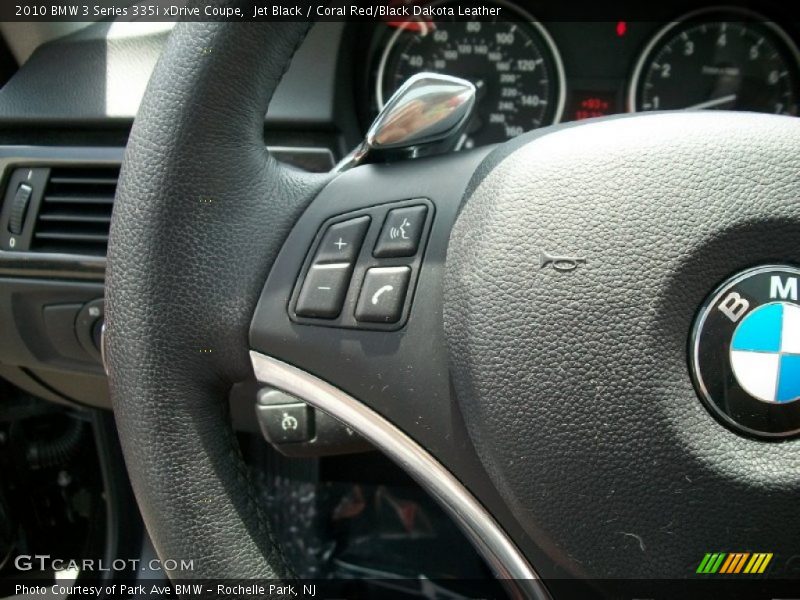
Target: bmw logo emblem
x=745 y=352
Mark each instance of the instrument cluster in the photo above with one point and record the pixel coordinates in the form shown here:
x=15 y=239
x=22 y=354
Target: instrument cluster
x=531 y=73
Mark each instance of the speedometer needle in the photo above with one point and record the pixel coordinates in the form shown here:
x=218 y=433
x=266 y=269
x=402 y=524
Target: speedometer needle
x=712 y=103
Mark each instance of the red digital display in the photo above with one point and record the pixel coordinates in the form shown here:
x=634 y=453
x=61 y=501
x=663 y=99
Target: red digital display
x=589 y=104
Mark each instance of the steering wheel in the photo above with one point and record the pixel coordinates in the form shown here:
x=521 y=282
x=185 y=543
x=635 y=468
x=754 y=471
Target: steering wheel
x=533 y=372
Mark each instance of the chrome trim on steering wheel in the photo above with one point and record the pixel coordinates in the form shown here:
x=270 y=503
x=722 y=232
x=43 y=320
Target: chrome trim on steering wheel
x=501 y=554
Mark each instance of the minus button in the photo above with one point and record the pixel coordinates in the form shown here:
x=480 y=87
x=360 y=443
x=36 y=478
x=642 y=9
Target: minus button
x=324 y=290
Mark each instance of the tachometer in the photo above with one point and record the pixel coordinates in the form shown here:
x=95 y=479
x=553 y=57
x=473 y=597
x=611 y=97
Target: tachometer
x=725 y=59
x=512 y=61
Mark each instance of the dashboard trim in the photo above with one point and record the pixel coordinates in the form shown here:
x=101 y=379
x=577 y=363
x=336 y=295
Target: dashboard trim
x=502 y=555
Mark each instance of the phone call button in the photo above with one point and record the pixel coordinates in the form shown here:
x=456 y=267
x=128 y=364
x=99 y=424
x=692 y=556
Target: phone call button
x=383 y=294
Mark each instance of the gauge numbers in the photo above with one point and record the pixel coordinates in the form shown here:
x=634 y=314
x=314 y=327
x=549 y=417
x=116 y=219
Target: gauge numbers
x=725 y=61
x=514 y=66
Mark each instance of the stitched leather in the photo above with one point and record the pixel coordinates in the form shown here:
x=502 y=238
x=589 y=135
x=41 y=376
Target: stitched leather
x=200 y=213
x=575 y=386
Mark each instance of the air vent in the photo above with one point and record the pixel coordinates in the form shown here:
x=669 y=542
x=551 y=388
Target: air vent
x=75 y=212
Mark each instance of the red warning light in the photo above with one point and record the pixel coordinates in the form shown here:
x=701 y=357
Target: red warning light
x=590 y=104
x=622 y=28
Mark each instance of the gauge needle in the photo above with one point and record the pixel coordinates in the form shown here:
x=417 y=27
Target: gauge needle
x=713 y=102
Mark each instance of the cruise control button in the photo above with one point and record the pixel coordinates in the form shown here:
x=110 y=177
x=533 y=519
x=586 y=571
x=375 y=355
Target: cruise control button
x=285 y=424
x=323 y=291
x=383 y=294
x=342 y=241
x=401 y=232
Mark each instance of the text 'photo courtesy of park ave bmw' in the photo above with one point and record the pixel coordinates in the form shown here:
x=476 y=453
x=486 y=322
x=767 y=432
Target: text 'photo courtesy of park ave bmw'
x=400 y=299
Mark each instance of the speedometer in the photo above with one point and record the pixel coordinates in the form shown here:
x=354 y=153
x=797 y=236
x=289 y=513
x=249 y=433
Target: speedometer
x=727 y=59
x=512 y=62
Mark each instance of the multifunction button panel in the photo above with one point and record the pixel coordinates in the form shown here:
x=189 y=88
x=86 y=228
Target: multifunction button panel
x=363 y=267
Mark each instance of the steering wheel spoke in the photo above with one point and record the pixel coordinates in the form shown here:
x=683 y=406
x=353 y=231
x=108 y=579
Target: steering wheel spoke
x=355 y=296
x=372 y=353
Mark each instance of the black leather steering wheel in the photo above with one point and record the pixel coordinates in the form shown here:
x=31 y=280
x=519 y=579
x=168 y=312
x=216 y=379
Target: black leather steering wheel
x=560 y=400
x=201 y=214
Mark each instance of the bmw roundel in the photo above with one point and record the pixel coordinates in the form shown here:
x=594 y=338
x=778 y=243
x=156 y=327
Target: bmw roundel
x=745 y=351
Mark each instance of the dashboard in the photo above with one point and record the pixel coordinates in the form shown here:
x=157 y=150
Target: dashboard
x=531 y=73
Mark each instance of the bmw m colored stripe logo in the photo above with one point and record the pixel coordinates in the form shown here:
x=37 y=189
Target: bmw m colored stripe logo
x=733 y=563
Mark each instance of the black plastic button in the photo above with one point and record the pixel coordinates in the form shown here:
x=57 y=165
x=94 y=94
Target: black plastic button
x=86 y=326
x=285 y=424
x=401 y=232
x=19 y=208
x=324 y=290
x=342 y=241
x=383 y=294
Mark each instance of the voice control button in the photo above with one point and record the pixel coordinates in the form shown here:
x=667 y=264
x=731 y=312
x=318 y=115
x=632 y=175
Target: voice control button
x=401 y=232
